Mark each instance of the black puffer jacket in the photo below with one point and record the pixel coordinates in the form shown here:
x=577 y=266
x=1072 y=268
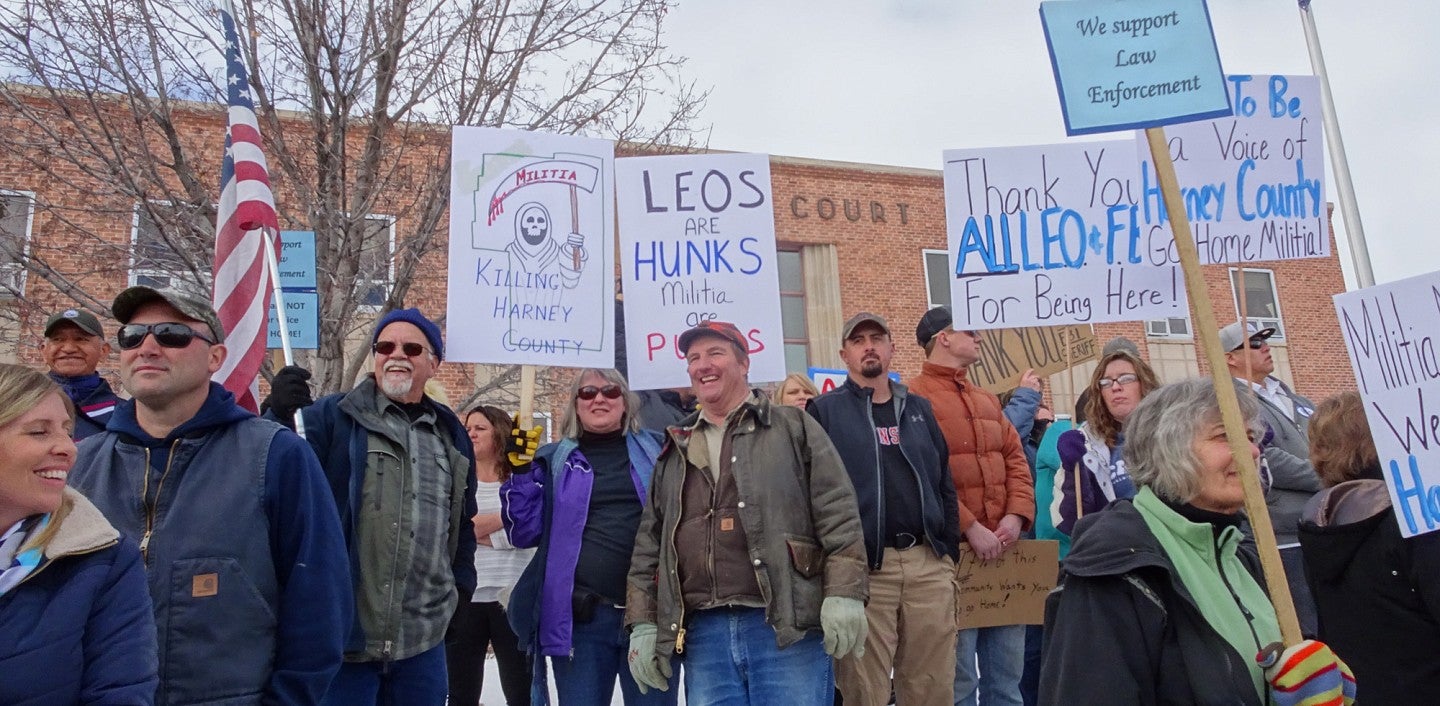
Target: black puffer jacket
x=1378 y=594
x=1123 y=629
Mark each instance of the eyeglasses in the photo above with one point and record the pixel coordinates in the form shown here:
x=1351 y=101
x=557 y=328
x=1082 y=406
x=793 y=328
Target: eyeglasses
x=588 y=392
x=1255 y=344
x=411 y=350
x=168 y=335
x=1125 y=379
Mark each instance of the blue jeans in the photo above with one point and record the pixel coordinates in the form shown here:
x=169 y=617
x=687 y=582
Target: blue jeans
x=413 y=681
x=1001 y=654
x=731 y=660
x=598 y=648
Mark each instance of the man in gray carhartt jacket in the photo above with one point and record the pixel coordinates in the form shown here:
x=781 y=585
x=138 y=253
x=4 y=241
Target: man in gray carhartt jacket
x=1287 y=454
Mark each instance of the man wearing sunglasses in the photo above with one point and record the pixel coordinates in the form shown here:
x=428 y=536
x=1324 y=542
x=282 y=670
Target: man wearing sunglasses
x=243 y=549
x=1285 y=450
x=73 y=348
x=896 y=457
x=399 y=464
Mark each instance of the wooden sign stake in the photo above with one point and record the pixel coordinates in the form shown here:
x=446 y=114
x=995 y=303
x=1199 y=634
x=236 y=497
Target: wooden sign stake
x=1202 y=314
x=527 y=397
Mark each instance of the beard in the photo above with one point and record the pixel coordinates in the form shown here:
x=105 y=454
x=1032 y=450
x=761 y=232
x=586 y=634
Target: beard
x=394 y=386
x=872 y=368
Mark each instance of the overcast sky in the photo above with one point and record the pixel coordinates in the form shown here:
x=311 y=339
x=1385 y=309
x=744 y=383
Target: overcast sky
x=898 y=81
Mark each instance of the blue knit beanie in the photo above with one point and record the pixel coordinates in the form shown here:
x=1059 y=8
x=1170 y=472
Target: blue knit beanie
x=418 y=320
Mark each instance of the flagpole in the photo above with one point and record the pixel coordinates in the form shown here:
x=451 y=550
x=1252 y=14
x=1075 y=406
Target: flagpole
x=273 y=268
x=1344 y=186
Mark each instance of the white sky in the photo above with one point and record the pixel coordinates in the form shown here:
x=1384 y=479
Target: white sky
x=898 y=81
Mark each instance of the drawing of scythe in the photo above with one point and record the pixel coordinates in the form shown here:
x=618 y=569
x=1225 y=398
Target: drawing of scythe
x=576 y=175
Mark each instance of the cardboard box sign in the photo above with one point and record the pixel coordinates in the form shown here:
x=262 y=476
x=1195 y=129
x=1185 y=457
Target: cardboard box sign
x=1010 y=590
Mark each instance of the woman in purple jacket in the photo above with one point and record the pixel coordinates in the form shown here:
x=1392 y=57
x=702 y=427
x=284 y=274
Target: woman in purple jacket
x=1091 y=453
x=76 y=625
x=579 y=504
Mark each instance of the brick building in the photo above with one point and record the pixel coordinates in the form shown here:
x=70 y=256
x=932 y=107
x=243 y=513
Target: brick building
x=851 y=237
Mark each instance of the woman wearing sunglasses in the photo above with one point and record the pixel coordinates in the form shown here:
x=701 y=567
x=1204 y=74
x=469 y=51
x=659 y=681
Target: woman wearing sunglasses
x=76 y=623
x=1091 y=453
x=579 y=503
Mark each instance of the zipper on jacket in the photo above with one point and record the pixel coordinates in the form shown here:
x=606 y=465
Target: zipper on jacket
x=914 y=472
x=1249 y=617
x=674 y=552
x=879 y=482
x=152 y=508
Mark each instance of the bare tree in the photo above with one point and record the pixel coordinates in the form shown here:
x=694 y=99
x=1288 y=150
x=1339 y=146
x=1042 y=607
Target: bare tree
x=115 y=107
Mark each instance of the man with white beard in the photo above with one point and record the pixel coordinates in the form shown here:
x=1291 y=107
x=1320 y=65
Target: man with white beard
x=399 y=465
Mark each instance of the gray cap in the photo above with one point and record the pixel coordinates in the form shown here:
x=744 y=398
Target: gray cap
x=191 y=306
x=79 y=318
x=863 y=317
x=1120 y=343
x=1231 y=336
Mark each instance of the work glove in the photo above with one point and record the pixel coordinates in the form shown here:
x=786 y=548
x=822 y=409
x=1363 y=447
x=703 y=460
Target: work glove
x=520 y=447
x=289 y=393
x=843 y=621
x=1307 y=672
x=648 y=670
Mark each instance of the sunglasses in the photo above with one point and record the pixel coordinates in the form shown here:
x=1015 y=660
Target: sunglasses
x=611 y=392
x=168 y=335
x=1254 y=344
x=1126 y=379
x=411 y=350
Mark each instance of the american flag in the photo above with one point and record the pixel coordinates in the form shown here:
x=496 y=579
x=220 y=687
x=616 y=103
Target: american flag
x=245 y=223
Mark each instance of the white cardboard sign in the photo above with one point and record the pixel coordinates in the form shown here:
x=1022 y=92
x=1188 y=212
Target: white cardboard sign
x=1253 y=183
x=697 y=243
x=1390 y=333
x=531 y=249
x=1032 y=243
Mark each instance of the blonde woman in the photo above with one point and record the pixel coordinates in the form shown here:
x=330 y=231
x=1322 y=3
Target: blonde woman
x=796 y=390
x=76 y=624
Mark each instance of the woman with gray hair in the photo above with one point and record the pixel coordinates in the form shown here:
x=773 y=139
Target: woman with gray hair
x=579 y=503
x=1162 y=598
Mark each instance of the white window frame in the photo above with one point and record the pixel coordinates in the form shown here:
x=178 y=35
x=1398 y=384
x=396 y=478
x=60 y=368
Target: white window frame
x=1278 y=322
x=1165 y=329
x=925 y=267
x=799 y=252
x=171 y=280
x=16 y=271
x=385 y=284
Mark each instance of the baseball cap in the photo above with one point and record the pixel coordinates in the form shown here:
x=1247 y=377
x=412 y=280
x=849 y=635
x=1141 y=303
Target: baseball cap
x=933 y=322
x=723 y=329
x=863 y=317
x=1231 y=336
x=81 y=319
x=191 y=306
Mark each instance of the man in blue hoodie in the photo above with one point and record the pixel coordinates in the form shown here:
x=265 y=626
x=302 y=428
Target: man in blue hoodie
x=74 y=347
x=241 y=540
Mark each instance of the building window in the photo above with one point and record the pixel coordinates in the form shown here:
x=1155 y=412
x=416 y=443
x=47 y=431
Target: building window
x=154 y=259
x=377 y=262
x=17 y=211
x=937 y=278
x=1168 y=328
x=792 y=311
x=1262 y=301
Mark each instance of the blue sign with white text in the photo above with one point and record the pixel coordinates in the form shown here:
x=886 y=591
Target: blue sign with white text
x=302 y=321
x=1123 y=65
x=297 y=259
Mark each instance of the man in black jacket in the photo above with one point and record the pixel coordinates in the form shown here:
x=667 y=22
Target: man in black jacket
x=896 y=457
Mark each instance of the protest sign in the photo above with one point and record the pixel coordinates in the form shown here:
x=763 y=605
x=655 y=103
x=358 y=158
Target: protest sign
x=1010 y=590
x=1033 y=243
x=1390 y=334
x=302 y=319
x=697 y=243
x=296 y=266
x=1006 y=353
x=1253 y=182
x=1121 y=65
x=531 y=249
x=827 y=379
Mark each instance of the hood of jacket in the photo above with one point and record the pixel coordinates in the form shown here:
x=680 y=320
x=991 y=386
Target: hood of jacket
x=1341 y=520
x=218 y=410
x=1114 y=542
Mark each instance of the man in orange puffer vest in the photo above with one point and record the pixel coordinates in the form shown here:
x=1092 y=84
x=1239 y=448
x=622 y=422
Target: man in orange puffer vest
x=996 y=493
